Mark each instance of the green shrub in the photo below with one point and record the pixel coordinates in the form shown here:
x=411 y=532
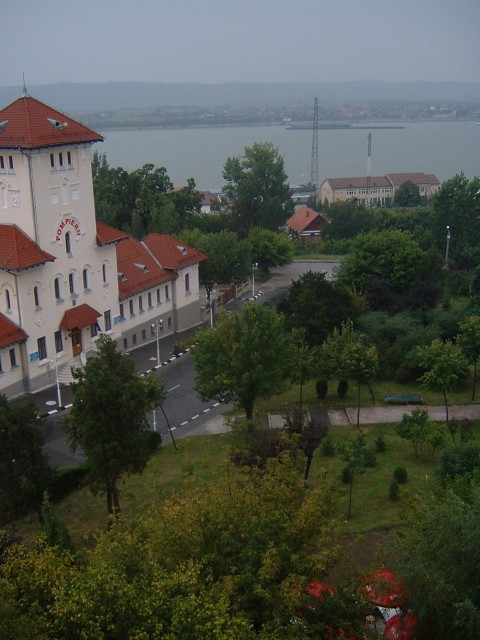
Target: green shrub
x=347 y=475
x=68 y=480
x=321 y=387
x=153 y=440
x=328 y=448
x=370 y=457
x=394 y=491
x=458 y=461
x=400 y=475
x=380 y=446
x=342 y=388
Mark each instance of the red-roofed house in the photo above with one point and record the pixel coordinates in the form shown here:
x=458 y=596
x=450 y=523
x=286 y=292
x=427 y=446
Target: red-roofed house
x=375 y=190
x=305 y=222
x=64 y=277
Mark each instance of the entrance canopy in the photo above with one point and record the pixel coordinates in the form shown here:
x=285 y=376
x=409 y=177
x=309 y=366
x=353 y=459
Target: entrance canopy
x=79 y=317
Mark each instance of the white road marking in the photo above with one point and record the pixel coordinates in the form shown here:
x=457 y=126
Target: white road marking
x=173 y=388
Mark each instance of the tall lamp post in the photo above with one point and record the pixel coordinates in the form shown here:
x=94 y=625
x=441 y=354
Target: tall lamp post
x=158 y=325
x=448 y=246
x=211 y=308
x=59 y=395
x=254 y=266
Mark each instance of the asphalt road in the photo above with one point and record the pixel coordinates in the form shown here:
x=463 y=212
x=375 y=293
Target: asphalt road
x=185 y=412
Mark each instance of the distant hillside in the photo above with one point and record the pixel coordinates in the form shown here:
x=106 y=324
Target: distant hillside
x=114 y=95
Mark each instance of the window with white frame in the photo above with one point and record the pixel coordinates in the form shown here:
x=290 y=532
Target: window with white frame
x=13 y=358
x=104 y=273
x=187 y=283
x=58 y=341
x=108 y=320
x=36 y=298
x=140 y=304
x=68 y=243
x=167 y=296
x=159 y=297
x=85 y=279
x=71 y=284
x=8 y=302
x=42 y=348
x=57 y=290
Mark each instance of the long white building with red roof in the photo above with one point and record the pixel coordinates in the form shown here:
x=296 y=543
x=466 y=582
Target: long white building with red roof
x=66 y=278
x=375 y=191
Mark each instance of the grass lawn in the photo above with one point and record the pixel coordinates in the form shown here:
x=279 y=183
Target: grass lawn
x=204 y=460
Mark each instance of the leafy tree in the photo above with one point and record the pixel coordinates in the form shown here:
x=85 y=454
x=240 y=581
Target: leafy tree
x=347 y=220
x=270 y=248
x=407 y=195
x=310 y=433
x=24 y=469
x=389 y=257
x=353 y=454
x=457 y=205
x=444 y=365
x=348 y=356
x=245 y=357
x=469 y=341
x=258 y=189
x=316 y=306
x=437 y=556
x=228 y=258
x=54 y=532
x=419 y=430
x=108 y=419
x=303 y=361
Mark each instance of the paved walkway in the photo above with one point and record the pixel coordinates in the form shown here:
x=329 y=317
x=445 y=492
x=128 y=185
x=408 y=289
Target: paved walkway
x=368 y=415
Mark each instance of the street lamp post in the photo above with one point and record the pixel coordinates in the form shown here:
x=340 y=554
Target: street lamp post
x=254 y=266
x=158 y=325
x=211 y=308
x=448 y=246
x=59 y=395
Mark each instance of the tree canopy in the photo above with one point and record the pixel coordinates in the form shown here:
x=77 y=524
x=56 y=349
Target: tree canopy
x=316 y=306
x=258 y=189
x=244 y=358
x=108 y=419
x=407 y=195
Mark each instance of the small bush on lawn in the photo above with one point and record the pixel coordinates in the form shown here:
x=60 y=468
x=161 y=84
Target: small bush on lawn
x=68 y=480
x=321 y=387
x=370 y=458
x=346 y=476
x=394 y=491
x=400 y=475
x=328 y=448
x=342 y=388
x=380 y=445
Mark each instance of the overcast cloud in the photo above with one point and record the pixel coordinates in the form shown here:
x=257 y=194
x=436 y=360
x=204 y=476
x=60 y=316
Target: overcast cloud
x=214 y=41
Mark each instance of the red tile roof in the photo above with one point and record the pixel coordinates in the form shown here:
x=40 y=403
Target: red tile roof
x=18 y=251
x=137 y=268
x=10 y=333
x=28 y=123
x=304 y=218
x=171 y=253
x=387 y=180
x=108 y=235
x=79 y=317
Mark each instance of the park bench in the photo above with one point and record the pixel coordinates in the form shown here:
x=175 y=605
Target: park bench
x=395 y=398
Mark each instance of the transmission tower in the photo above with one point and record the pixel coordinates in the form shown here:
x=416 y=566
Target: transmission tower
x=314 y=164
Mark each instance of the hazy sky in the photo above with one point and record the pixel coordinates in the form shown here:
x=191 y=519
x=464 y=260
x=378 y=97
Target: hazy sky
x=213 y=41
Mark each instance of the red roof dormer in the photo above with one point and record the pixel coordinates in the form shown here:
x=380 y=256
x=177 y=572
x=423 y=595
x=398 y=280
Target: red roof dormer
x=28 y=123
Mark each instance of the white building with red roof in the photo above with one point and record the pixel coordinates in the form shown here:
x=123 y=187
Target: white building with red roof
x=375 y=191
x=305 y=223
x=64 y=277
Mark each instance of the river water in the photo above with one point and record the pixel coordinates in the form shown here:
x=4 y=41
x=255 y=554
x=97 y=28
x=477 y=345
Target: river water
x=441 y=148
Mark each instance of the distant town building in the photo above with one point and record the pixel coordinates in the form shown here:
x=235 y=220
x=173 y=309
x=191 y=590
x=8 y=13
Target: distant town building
x=375 y=191
x=305 y=222
x=212 y=201
x=64 y=277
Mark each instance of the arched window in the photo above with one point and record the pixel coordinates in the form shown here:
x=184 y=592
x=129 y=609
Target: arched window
x=85 y=278
x=3 y=198
x=56 y=287
x=7 y=300
x=104 y=273
x=68 y=243
x=71 y=284
x=36 y=297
